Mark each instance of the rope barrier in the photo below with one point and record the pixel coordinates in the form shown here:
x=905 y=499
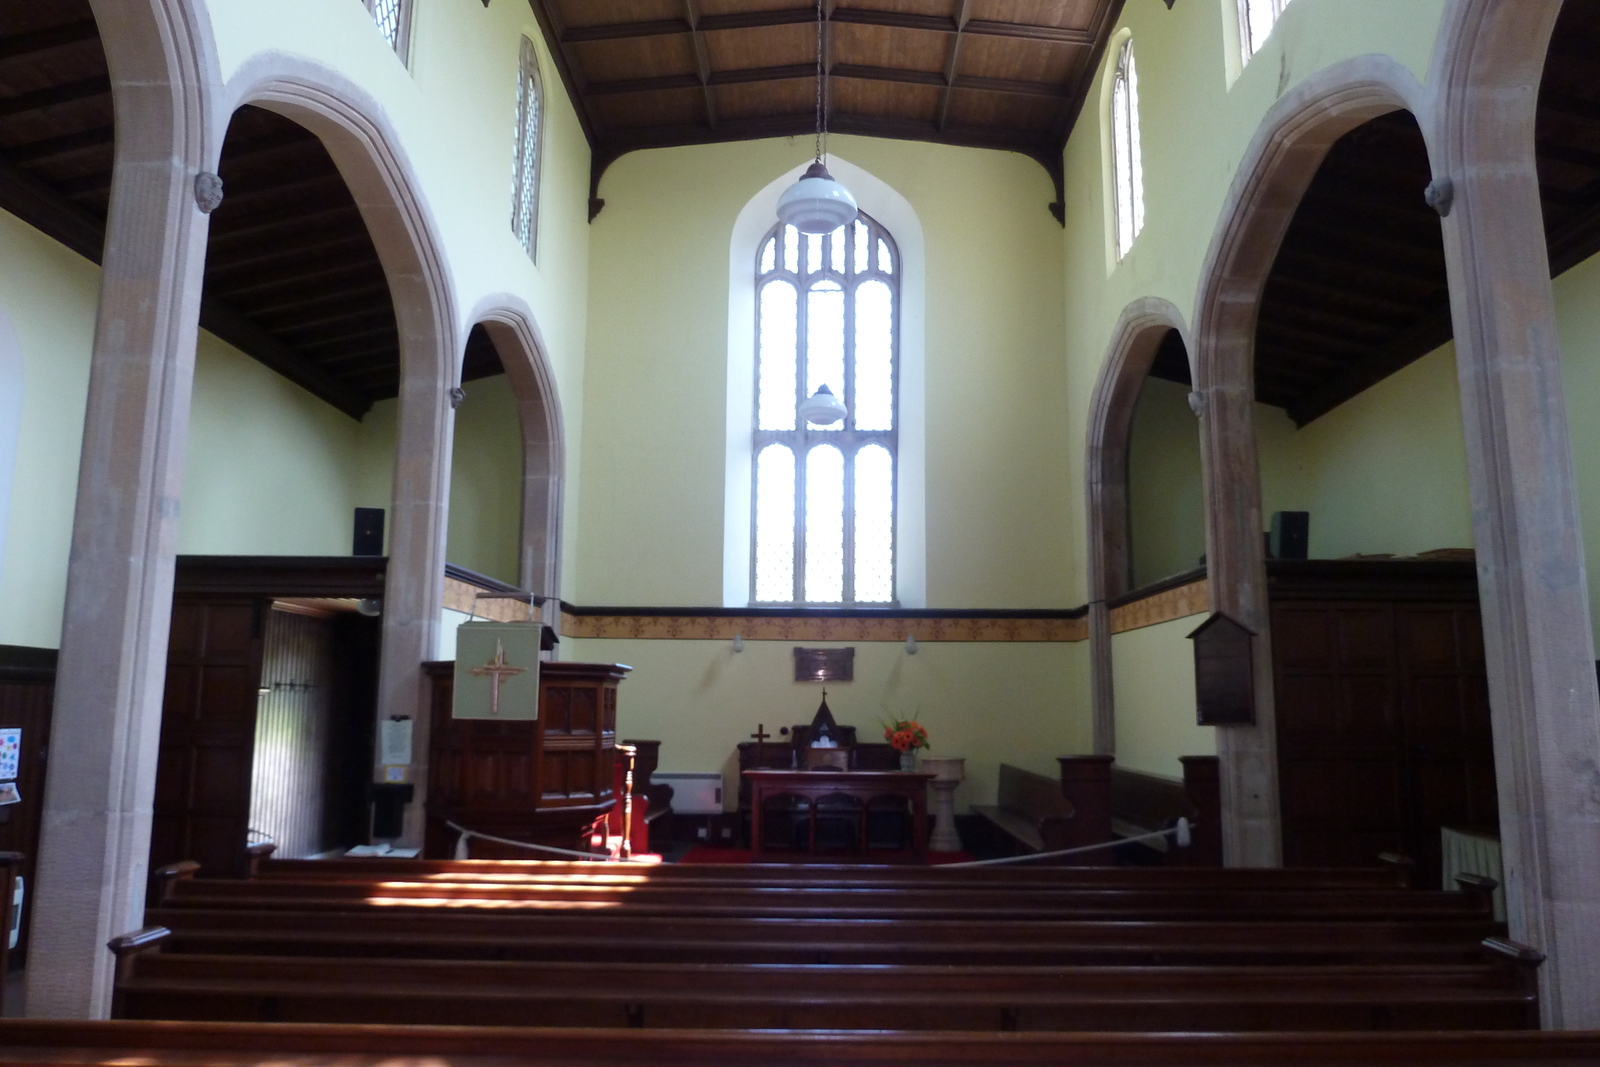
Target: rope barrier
x=1181 y=830
x=467 y=835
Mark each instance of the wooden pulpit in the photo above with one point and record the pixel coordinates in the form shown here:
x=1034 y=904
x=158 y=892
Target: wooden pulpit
x=543 y=780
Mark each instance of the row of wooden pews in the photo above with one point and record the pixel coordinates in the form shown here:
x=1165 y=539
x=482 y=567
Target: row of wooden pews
x=348 y=963
x=844 y=948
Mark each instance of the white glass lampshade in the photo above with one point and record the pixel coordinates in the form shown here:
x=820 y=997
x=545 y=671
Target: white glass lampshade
x=816 y=203
x=822 y=408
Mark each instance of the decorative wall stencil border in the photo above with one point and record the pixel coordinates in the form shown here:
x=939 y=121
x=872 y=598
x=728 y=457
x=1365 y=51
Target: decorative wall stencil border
x=1169 y=604
x=695 y=627
x=458 y=596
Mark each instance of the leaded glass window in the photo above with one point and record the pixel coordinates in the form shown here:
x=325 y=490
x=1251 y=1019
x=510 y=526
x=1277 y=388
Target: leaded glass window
x=1126 y=163
x=526 y=153
x=1256 y=19
x=827 y=313
x=393 y=18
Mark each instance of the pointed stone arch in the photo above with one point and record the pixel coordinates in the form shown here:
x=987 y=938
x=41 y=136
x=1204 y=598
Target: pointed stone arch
x=1279 y=164
x=1134 y=341
x=1532 y=582
x=94 y=850
x=511 y=326
x=367 y=151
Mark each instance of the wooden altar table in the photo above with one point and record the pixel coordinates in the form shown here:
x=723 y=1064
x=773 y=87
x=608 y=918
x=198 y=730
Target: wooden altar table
x=863 y=786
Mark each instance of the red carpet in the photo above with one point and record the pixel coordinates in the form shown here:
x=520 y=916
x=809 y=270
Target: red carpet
x=711 y=854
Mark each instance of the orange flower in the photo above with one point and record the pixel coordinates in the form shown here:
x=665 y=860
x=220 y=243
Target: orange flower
x=904 y=740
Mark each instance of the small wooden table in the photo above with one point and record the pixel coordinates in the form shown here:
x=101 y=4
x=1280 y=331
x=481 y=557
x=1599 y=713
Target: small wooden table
x=861 y=785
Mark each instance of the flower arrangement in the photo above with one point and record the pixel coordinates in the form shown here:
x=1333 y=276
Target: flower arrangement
x=906 y=735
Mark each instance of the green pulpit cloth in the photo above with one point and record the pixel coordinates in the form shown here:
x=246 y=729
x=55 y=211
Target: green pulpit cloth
x=497 y=671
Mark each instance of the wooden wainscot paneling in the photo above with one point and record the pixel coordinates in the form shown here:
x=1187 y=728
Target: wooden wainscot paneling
x=1224 y=678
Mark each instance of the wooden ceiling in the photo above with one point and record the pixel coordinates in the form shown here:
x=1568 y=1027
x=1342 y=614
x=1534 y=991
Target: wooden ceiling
x=292 y=278
x=291 y=274
x=1358 y=289
x=1008 y=74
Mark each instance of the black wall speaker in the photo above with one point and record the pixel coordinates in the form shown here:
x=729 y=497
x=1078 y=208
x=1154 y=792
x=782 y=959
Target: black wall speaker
x=368 y=539
x=1291 y=534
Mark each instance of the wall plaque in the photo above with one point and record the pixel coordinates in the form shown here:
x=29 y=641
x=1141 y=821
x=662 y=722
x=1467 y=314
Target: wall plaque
x=824 y=664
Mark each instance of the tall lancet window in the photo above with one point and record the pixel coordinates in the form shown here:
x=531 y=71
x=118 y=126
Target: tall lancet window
x=525 y=159
x=827 y=313
x=1256 y=19
x=394 y=21
x=1126 y=165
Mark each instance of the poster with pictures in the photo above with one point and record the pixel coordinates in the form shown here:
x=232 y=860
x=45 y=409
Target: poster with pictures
x=10 y=749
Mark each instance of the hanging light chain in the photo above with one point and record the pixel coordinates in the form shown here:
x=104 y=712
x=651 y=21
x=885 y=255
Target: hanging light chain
x=820 y=126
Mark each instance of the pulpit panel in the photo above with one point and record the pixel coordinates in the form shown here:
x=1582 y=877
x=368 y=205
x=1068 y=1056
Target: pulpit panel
x=540 y=780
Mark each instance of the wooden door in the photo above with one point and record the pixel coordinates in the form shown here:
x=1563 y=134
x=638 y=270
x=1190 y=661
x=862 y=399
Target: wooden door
x=208 y=725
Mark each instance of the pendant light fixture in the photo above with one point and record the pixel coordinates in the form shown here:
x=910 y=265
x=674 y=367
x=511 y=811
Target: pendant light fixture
x=816 y=203
x=822 y=408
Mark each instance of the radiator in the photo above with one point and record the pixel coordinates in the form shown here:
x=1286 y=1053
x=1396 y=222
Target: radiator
x=1469 y=852
x=694 y=793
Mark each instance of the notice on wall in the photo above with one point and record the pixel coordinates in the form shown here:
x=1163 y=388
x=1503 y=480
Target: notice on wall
x=9 y=794
x=396 y=741
x=10 y=751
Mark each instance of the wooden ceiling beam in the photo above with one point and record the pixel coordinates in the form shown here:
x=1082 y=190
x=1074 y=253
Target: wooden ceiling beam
x=1380 y=304
x=272 y=232
x=1574 y=239
x=62 y=145
x=237 y=330
x=798 y=124
x=325 y=296
x=691 y=10
x=1408 y=346
x=27 y=44
x=798 y=71
x=854 y=16
x=42 y=207
x=55 y=96
x=952 y=57
x=219 y=266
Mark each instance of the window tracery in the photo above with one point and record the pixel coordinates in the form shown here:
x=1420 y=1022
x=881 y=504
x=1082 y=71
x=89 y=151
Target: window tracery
x=526 y=157
x=824 y=496
x=394 y=22
x=1256 y=19
x=1127 y=164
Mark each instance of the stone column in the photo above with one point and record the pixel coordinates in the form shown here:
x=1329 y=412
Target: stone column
x=413 y=596
x=94 y=850
x=1531 y=570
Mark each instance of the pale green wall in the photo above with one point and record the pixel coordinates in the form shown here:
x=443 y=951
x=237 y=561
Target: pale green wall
x=1195 y=130
x=995 y=703
x=268 y=467
x=654 y=432
x=50 y=295
x=1383 y=472
x=454 y=108
x=1577 y=294
x=1153 y=669
x=486 y=481
x=1166 y=500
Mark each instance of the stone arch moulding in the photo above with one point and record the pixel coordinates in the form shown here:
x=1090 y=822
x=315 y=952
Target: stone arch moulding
x=1279 y=164
x=1532 y=581
x=1134 y=341
x=518 y=340
x=165 y=85
x=368 y=153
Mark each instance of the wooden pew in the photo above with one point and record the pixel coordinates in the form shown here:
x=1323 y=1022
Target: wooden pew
x=993 y=903
x=602 y=937
x=1031 y=812
x=1490 y=995
x=1023 y=875
x=75 y=1042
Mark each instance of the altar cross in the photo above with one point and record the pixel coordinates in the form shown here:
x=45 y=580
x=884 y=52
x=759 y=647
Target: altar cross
x=498 y=670
x=759 y=737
